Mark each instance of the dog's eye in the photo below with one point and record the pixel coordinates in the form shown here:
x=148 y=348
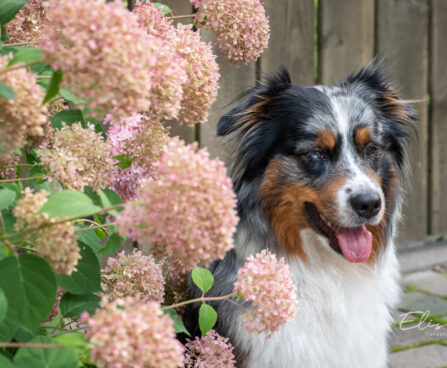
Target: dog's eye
x=317 y=154
x=371 y=150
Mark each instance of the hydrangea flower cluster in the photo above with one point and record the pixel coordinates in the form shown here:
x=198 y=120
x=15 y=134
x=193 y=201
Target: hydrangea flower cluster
x=8 y=159
x=102 y=52
x=202 y=70
x=27 y=24
x=78 y=158
x=138 y=335
x=57 y=244
x=267 y=283
x=144 y=141
x=190 y=207
x=196 y=58
x=241 y=27
x=210 y=351
x=133 y=275
x=25 y=114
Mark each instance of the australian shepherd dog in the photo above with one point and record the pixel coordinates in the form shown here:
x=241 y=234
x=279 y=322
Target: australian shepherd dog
x=317 y=173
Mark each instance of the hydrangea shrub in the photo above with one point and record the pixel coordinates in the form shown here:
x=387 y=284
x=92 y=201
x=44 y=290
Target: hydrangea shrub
x=87 y=165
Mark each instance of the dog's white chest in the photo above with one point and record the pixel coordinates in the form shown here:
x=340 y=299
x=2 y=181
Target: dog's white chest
x=342 y=321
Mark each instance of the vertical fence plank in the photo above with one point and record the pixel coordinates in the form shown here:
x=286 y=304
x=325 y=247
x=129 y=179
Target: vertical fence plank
x=180 y=7
x=291 y=39
x=346 y=37
x=402 y=38
x=438 y=104
x=233 y=81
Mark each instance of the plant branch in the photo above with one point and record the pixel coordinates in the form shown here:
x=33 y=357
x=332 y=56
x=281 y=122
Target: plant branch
x=21 y=179
x=183 y=16
x=20 y=43
x=70 y=219
x=19 y=66
x=30 y=345
x=17 y=165
x=201 y=299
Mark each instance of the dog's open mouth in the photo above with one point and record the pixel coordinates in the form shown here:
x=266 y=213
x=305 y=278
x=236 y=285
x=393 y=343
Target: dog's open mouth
x=353 y=243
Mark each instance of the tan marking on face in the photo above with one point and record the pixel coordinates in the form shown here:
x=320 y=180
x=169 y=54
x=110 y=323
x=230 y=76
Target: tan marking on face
x=284 y=206
x=362 y=137
x=326 y=140
x=395 y=106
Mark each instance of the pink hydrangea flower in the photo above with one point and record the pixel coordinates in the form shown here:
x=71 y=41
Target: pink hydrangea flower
x=133 y=275
x=55 y=310
x=138 y=335
x=200 y=89
x=241 y=27
x=57 y=244
x=103 y=53
x=152 y=20
x=266 y=283
x=144 y=141
x=78 y=158
x=8 y=159
x=25 y=114
x=190 y=207
x=210 y=351
x=27 y=24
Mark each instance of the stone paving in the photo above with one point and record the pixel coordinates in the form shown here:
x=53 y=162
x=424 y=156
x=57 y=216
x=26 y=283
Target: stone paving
x=419 y=338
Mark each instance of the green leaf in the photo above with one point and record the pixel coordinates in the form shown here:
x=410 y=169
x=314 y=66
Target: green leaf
x=26 y=55
x=164 y=8
x=45 y=358
x=113 y=243
x=30 y=286
x=53 y=88
x=74 y=341
x=89 y=238
x=5 y=362
x=124 y=161
x=7 y=198
x=207 y=318
x=179 y=327
x=69 y=117
x=9 y=9
x=7 y=330
x=3 y=34
x=3 y=306
x=67 y=95
x=69 y=203
x=110 y=198
x=202 y=278
x=6 y=91
x=87 y=278
x=73 y=305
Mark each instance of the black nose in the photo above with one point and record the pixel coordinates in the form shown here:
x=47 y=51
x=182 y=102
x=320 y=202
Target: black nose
x=366 y=205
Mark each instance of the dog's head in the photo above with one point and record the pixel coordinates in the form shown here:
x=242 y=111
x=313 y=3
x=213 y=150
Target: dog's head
x=326 y=158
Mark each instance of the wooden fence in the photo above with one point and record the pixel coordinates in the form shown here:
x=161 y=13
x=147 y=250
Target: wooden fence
x=321 y=41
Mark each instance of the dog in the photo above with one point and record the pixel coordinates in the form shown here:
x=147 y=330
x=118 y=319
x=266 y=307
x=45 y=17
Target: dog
x=317 y=172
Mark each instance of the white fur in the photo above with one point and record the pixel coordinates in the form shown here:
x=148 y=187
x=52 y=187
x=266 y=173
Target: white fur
x=343 y=313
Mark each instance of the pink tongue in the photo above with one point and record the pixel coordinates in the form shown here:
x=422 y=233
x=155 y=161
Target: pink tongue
x=355 y=243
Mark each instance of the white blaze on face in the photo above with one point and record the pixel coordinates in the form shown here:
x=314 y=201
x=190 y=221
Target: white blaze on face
x=358 y=182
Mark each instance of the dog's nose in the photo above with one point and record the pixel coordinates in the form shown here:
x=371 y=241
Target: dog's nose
x=366 y=205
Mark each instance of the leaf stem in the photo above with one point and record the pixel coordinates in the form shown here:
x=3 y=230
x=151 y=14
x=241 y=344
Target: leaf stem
x=201 y=299
x=30 y=345
x=20 y=43
x=17 y=165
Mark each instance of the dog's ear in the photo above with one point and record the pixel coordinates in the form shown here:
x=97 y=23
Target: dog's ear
x=397 y=115
x=250 y=124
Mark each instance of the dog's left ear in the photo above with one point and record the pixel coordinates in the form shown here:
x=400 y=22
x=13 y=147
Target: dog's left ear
x=252 y=126
x=398 y=115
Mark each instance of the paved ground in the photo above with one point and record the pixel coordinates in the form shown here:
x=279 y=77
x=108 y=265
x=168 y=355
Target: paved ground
x=419 y=338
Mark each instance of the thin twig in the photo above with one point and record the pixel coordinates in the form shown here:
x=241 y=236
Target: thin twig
x=103 y=227
x=183 y=16
x=20 y=43
x=18 y=165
